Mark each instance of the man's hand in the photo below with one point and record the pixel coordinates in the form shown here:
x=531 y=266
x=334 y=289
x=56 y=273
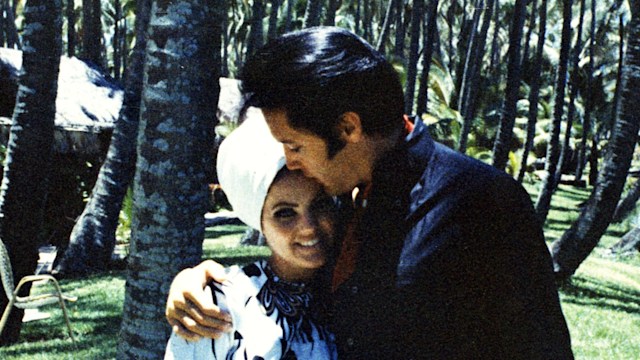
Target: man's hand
x=190 y=310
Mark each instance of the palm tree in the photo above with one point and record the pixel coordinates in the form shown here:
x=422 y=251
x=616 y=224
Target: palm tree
x=576 y=243
x=414 y=45
x=553 y=148
x=94 y=235
x=30 y=148
x=312 y=13
x=534 y=92
x=170 y=189
x=429 y=36
x=71 y=28
x=92 y=30
x=502 y=144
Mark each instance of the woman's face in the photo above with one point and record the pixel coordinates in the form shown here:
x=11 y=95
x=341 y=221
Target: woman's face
x=298 y=223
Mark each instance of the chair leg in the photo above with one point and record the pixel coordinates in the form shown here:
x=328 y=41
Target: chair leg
x=7 y=311
x=66 y=319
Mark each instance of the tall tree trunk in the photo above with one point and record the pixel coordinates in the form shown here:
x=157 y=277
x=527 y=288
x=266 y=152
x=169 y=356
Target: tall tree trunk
x=398 y=49
x=471 y=84
x=573 y=82
x=417 y=16
x=472 y=45
x=495 y=45
x=288 y=16
x=356 y=20
x=502 y=145
x=629 y=244
x=71 y=28
x=94 y=236
x=330 y=19
x=386 y=26
x=117 y=42
x=92 y=32
x=527 y=40
x=312 y=13
x=256 y=34
x=553 y=147
x=272 y=32
x=577 y=243
x=627 y=204
x=30 y=147
x=534 y=92
x=429 y=36
x=12 y=37
x=586 y=123
x=170 y=188
x=224 y=72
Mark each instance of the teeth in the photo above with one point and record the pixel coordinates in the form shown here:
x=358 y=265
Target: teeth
x=310 y=243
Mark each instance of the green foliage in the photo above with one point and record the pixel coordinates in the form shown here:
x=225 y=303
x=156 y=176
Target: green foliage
x=123 y=231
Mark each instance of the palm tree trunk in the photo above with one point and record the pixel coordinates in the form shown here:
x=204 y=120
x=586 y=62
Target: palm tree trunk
x=553 y=148
x=92 y=29
x=398 y=49
x=312 y=13
x=30 y=147
x=386 y=26
x=472 y=84
x=71 y=28
x=502 y=144
x=94 y=236
x=330 y=19
x=577 y=243
x=256 y=33
x=170 y=189
x=534 y=93
x=627 y=204
x=272 y=32
x=414 y=45
x=429 y=36
x=117 y=48
x=586 y=124
x=573 y=82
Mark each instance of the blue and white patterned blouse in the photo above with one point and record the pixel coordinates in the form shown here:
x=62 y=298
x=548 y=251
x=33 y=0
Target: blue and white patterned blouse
x=272 y=319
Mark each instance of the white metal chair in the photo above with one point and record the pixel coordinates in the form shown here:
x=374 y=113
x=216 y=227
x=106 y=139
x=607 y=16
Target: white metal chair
x=30 y=301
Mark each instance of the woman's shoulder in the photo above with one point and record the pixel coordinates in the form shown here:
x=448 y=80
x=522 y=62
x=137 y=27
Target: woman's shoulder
x=242 y=281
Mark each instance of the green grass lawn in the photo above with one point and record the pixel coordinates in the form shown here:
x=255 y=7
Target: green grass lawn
x=601 y=302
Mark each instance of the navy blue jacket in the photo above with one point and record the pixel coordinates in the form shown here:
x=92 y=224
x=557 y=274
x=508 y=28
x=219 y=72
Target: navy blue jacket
x=453 y=265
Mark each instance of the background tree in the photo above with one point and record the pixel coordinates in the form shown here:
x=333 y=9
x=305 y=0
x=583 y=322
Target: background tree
x=24 y=183
x=577 y=243
x=586 y=123
x=92 y=32
x=170 y=188
x=94 y=235
x=502 y=145
x=71 y=28
x=429 y=35
x=534 y=92
x=553 y=148
x=312 y=13
x=417 y=16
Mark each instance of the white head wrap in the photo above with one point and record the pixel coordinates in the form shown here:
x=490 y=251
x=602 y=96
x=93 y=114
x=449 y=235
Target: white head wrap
x=248 y=161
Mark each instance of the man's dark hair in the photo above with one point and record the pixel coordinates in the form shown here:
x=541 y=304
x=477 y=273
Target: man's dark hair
x=318 y=74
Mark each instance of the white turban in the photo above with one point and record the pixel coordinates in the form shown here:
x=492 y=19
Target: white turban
x=248 y=161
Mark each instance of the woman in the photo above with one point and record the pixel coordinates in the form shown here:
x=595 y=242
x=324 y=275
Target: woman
x=277 y=305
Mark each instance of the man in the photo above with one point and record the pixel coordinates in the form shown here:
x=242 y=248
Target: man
x=445 y=258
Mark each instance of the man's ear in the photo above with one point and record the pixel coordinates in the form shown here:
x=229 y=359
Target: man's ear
x=350 y=127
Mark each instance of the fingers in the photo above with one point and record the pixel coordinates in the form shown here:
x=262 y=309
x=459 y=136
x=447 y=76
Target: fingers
x=186 y=327
x=200 y=307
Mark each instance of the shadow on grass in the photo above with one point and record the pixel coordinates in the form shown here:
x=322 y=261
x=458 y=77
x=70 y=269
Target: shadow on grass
x=219 y=231
x=587 y=291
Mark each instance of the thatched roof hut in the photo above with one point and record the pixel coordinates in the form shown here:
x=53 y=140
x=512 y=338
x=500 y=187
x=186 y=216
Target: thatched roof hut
x=87 y=105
